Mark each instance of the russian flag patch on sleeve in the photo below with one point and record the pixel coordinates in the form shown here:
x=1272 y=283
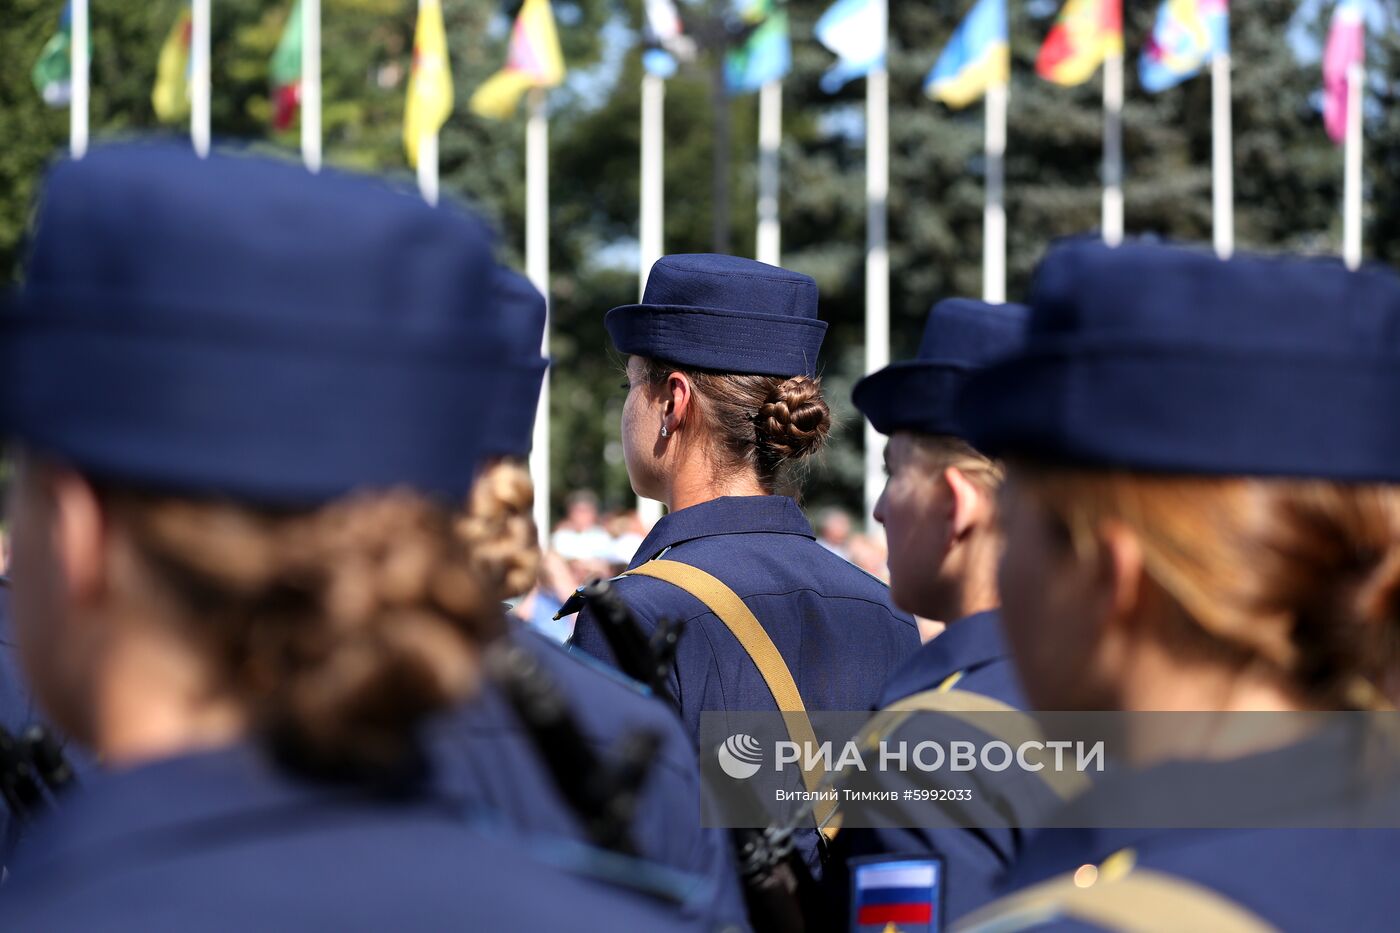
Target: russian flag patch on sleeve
x=896 y=895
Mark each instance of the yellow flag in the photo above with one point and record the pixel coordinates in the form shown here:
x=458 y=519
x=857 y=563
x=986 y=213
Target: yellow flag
x=171 y=95
x=534 y=60
x=430 y=85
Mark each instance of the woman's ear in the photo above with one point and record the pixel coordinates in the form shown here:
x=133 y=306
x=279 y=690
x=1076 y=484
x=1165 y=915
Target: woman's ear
x=680 y=394
x=969 y=504
x=78 y=530
x=1119 y=575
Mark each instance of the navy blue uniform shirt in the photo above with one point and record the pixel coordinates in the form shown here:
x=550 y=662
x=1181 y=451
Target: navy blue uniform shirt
x=833 y=623
x=485 y=754
x=969 y=655
x=975 y=650
x=222 y=841
x=1309 y=880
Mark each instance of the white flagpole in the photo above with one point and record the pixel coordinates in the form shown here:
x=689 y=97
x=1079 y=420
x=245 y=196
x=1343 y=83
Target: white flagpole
x=770 y=139
x=428 y=166
x=1351 y=217
x=1113 y=149
x=1222 y=159
x=427 y=156
x=877 y=266
x=80 y=81
x=199 y=77
x=651 y=236
x=994 y=213
x=311 y=84
x=537 y=268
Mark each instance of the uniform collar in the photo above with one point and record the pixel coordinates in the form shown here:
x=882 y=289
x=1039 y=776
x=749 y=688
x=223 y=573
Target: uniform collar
x=727 y=515
x=968 y=642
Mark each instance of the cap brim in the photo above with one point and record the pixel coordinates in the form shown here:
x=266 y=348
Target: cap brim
x=912 y=395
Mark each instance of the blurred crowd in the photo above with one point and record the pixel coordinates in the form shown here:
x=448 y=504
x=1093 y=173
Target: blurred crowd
x=590 y=543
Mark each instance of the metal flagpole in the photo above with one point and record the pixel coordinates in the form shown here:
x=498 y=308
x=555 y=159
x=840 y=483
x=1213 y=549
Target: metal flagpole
x=994 y=213
x=80 y=78
x=199 y=77
x=537 y=268
x=651 y=222
x=770 y=139
x=1222 y=159
x=877 y=265
x=1351 y=216
x=311 y=84
x=1113 y=149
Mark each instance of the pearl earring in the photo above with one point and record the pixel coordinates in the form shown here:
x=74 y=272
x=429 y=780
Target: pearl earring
x=664 y=432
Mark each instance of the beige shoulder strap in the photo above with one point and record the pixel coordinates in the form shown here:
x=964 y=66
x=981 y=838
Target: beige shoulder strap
x=1012 y=726
x=730 y=609
x=1142 y=901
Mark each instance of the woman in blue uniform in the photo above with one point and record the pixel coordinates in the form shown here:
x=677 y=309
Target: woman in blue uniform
x=723 y=403
x=1202 y=513
x=244 y=419
x=939 y=509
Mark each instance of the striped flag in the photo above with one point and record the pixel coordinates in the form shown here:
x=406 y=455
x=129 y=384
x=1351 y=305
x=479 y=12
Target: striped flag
x=901 y=893
x=1086 y=32
x=286 y=71
x=534 y=60
x=976 y=58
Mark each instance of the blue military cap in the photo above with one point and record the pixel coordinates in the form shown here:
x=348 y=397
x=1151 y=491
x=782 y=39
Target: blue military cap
x=237 y=326
x=919 y=395
x=725 y=314
x=521 y=311
x=1166 y=359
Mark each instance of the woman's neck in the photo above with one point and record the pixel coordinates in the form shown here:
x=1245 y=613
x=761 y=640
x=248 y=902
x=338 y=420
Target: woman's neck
x=696 y=481
x=1203 y=696
x=152 y=701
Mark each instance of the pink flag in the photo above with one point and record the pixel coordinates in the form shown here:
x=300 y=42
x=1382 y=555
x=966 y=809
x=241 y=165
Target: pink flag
x=1346 y=46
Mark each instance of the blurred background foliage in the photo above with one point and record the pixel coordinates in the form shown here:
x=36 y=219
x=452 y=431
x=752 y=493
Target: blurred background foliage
x=1287 y=174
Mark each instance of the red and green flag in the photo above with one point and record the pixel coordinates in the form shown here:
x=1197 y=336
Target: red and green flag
x=286 y=72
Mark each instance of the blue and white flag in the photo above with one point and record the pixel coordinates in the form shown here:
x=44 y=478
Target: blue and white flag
x=855 y=31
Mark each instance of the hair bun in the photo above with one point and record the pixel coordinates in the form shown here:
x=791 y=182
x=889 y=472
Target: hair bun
x=794 y=421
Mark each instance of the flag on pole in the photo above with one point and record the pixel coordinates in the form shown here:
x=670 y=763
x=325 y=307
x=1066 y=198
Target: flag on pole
x=171 y=95
x=855 y=31
x=534 y=60
x=976 y=58
x=286 y=71
x=1086 y=32
x=1186 y=36
x=1346 y=46
x=430 y=84
x=53 y=72
x=667 y=43
x=767 y=53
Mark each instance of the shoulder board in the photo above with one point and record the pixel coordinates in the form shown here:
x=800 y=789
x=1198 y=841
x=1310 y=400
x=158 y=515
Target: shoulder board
x=577 y=601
